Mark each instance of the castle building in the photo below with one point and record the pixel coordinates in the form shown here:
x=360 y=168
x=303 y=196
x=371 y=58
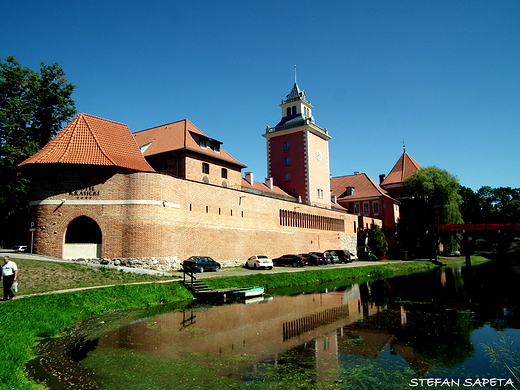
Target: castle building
x=153 y=198
x=403 y=168
x=361 y=196
x=298 y=152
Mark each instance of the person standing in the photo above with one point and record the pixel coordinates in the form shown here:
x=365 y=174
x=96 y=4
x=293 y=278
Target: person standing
x=9 y=274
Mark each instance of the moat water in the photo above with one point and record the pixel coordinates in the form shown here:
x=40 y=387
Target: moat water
x=452 y=327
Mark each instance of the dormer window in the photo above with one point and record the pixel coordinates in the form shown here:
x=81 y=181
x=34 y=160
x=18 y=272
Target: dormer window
x=216 y=147
x=203 y=143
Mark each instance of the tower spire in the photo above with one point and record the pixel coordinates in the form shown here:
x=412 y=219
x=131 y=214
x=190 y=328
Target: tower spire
x=294 y=74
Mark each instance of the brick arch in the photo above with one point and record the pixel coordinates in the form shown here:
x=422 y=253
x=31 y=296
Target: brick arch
x=83 y=239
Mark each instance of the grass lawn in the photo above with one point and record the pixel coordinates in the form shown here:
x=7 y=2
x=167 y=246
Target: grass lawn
x=43 y=276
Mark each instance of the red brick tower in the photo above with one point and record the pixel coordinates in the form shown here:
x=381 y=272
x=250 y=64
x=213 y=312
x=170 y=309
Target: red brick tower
x=298 y=152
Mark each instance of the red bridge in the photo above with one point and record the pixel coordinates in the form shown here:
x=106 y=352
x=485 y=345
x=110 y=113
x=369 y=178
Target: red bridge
x=478 y=226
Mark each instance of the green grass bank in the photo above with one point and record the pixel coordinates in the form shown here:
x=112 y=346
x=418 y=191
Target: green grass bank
x=25 y=321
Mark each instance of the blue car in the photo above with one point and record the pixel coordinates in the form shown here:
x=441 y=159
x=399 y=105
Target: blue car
x=201 y=264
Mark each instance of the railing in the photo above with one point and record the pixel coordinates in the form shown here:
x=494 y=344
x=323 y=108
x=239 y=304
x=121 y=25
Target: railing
x=188 y=271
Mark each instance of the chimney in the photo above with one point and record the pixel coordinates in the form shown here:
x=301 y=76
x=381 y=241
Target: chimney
x=335 y=199
x=381 y=178
x=249 y=177
x=269 y=182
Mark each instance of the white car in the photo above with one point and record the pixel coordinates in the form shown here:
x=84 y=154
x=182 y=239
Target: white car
x=259 y=261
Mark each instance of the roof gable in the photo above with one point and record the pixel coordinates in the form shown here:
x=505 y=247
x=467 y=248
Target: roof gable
x=403 y=168
x=180 y=135
x=89 y=140
x=363 y=185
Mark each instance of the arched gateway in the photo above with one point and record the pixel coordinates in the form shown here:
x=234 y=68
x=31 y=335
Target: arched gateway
x=83 y=239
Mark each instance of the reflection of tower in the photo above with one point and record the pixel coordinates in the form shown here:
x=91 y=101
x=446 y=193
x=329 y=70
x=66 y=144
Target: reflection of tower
x=327 y=355
x=298 y=151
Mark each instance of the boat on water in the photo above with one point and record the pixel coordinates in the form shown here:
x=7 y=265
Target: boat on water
x=249 y=292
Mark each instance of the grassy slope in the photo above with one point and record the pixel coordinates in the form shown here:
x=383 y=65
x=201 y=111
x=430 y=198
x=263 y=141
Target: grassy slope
x=24 y=321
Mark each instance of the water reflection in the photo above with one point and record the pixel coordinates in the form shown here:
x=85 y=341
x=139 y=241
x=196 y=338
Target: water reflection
x=418 y=325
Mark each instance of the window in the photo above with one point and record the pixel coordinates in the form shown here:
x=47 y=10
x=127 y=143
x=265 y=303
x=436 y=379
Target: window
x=320 y=193
x=287 y=161
x=356 y=208
x=203 y=143
x=288 y=111
x=366 y=208
x=375 y=207
x=205 y=168
x=294 y=110
x=286 y=146
x=287 y=177
x=224 y=173
x=216 y=147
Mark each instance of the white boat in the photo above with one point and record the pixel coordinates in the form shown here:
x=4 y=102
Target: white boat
x=250 y=292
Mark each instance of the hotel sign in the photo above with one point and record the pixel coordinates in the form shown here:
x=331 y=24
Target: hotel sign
x=85 y=193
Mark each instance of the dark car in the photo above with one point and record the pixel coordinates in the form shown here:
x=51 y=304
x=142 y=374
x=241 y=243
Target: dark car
x=332 y=258
x=312 y=259
x=344 y=255
x=294 y=260
x=201 y=264
x=321 y=255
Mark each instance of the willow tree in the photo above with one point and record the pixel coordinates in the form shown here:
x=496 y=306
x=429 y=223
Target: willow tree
x=432 y=198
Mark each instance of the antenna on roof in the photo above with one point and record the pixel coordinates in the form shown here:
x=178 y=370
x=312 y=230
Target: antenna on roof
x=294 y=74
x=404 y=147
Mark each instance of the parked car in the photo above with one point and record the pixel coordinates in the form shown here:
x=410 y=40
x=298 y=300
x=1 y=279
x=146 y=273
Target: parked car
x=259 y=261
x=294 y=260
x=201 y=264
x=20 y=248
x=332 y=258
x=344 y=255
x=321 y=255
x=312 y=259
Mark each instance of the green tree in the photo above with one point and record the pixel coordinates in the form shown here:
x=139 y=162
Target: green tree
x=432 y=199
x=33 y=108
x=377 y=242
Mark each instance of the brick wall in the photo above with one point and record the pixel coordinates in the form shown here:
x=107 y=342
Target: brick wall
x=154 y=215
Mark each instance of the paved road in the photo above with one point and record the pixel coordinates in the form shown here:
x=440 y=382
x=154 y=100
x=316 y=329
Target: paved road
x=236 y=271
x=176 y=276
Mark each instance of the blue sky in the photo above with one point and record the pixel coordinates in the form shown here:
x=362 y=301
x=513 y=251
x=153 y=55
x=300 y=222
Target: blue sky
x=441 y=76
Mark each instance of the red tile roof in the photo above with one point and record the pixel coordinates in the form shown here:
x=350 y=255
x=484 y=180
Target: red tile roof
x=403 y=168
x=264 y=188
x=175 y=136
x=90 y=140
x=364 y=187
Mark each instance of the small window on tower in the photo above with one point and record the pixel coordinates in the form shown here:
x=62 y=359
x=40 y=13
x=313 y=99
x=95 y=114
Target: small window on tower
x=288 y=111
x=205 y=168
x=294 y=110
x=286 y=146
x=287 y=161
x=287 y=177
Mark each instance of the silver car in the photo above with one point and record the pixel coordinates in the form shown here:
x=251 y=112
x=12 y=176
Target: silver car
x=259 y=261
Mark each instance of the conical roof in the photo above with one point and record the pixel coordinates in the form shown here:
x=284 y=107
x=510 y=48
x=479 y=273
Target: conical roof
x=403 y=168
x=89 y=140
